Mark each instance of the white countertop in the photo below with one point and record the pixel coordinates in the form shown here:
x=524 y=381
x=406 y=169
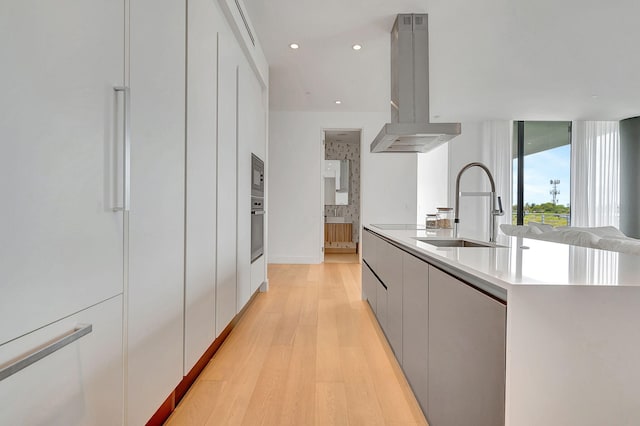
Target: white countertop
x=541 y=263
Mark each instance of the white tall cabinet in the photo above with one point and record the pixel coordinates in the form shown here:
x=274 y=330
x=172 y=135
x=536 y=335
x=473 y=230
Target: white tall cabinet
x=125 y=128
x=62 y=241
x=226 y=301
x=201 y=188
x=155 y=302
x=251 y=134
x=62 y=224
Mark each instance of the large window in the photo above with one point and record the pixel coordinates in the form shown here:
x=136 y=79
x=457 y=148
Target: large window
x=542 y=172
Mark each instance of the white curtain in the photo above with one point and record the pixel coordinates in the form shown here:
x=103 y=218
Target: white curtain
x=595 y=173
x=497 y=141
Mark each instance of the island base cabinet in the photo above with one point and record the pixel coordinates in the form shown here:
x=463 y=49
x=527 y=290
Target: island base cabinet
x=466 y=368
x=79 y=384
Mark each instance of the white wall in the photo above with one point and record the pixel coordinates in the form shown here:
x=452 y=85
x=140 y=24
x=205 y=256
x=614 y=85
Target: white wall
x=488 y=142
x=467 y=148
x=433 y=182
x=389 y=181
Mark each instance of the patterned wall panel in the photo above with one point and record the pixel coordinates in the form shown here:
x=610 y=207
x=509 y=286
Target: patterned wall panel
x=351 y=152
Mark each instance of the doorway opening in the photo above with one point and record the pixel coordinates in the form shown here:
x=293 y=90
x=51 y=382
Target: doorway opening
x=341 y=195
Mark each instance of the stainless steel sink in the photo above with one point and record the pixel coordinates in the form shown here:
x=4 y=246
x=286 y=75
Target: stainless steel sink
x=455 y=242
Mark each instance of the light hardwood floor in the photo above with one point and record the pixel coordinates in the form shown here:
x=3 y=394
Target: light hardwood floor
x=308 y=352
x=341 y=258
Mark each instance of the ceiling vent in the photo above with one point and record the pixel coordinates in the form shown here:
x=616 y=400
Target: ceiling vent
x=246 y=24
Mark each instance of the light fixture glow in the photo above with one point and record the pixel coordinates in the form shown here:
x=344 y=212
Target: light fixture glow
x=356 y=47
x=294 y=45
x=338 y=102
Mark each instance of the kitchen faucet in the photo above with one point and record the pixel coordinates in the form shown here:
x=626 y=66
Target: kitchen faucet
x=493 y=212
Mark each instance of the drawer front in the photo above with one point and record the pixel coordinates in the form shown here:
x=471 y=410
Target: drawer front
x=381 y=306
x=369 y=287
x=79 y=384
x=369 y=248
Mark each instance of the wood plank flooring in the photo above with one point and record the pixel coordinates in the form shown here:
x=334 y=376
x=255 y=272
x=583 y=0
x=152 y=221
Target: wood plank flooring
x=308 y=352
x=341 y=258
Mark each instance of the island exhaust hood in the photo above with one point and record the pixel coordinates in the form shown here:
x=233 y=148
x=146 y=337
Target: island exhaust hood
x=410 y=129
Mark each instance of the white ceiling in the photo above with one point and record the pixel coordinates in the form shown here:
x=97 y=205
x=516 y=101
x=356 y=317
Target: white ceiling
x=491 y=59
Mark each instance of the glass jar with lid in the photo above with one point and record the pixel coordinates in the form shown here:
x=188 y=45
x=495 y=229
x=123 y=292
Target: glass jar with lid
x=445 y=217
x=431 y=221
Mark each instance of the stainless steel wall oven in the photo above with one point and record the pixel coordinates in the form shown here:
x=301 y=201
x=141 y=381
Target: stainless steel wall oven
x=257 y=207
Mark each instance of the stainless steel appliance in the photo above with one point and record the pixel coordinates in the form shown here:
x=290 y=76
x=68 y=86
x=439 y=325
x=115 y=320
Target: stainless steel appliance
x=257 y=227
x=257 y=176
x=257 y=207
x=410 y=129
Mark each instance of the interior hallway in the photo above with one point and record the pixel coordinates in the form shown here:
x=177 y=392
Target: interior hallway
x=308 y=352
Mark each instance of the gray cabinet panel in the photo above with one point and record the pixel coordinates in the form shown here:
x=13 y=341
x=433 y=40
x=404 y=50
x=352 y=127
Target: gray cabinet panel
x=369 y=287
x=466 y=366
x=390 y=273
x=381 y=305
x=415 y=322
x=369 y=245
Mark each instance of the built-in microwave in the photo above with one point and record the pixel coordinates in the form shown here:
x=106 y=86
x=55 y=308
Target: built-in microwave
x=257 y=176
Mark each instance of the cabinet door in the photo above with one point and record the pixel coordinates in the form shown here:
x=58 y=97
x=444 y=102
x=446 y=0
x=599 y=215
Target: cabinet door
x=200 y=249
x=79 y=384
x=156 y=220
x=466 y=354
x=226 y=282
x=415 y=326
x=62 y=242
x=246 y=136
x=369 y=287
x=390 y=272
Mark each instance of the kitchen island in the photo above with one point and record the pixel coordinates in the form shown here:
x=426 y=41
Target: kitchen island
x=529 y=333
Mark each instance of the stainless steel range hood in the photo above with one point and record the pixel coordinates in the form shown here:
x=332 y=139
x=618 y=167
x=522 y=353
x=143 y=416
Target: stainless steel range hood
x=410 y=129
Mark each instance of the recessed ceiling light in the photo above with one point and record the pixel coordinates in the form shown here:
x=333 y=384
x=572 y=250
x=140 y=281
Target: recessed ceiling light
x=594 y=96
x=294 y=45
x=356 y=47
x=338 y=102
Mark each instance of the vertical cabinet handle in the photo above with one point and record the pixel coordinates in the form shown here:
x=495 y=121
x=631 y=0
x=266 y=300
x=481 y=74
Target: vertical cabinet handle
x=27 y=360
x=126 y=151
